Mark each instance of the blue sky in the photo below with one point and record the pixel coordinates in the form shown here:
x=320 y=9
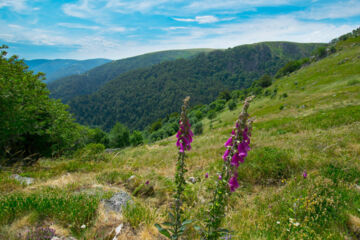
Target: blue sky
x=82 y=29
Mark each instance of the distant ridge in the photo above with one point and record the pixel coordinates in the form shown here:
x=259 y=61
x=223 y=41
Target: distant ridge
x=59 y=68
x=81 y=84
x=139 y=97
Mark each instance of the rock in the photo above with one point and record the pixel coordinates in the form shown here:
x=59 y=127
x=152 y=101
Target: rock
x=111 y=150
x=192 y=180
x=114 y=233
x=23 y=180
x=117 y=202
x=63 y=238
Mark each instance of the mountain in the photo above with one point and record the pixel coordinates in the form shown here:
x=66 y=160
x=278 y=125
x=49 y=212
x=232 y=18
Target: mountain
x=81 y=84
x=59 y=68
x=141 y=96
x=300 y=179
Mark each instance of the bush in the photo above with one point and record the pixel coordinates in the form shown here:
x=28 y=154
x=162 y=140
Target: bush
x=136 y=138
x=198 y=128
x=231 y=105
x=267 y=165
x=211 y=114
x=92 y=152
x=119 y=136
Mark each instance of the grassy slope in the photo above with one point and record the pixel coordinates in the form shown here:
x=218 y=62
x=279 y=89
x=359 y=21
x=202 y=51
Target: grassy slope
x=317 y=130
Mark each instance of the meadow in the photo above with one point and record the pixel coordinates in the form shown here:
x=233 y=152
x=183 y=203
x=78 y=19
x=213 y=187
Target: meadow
x=301 y=179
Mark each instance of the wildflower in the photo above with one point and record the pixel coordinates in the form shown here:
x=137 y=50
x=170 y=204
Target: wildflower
x=278 y=222
x=296 y=224
x=233 y=183
x=220 y=177
x=305 y=174
x=206 y=175
x=184 y=135
x=238 y=145
x=147 y=182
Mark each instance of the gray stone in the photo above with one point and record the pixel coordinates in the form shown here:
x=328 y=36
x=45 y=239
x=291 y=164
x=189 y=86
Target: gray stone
x=192 y=180
x=111 y=150
x=23 y=180
x=118 y=201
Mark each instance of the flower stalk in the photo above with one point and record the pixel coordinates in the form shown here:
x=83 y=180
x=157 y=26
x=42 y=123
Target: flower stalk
x=237 y=147
x=184 y=136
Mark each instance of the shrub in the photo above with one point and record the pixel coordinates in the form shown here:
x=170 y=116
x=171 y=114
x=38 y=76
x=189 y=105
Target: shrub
x=231 y=105
x=211 y=114
x=92 y=152
x=119 y=136
x=267 y=165
x=198 y=128
x=136 y=138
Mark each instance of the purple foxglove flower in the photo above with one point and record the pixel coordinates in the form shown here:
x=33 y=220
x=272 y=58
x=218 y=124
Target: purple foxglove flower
x=206 y=175
x=226 y=154
x=235 y=160
x=305 y=174
x=228 y=142
x=233 y=183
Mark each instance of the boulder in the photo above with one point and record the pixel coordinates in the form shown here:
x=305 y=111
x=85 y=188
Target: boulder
x=117 y=201
x=23 y=180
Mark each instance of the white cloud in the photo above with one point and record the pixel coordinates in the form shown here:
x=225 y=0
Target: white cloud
x=332 y=10
x=199 y=19
x=80 y=10
x=281 y=28
x=17 y=5
x=232 y=4
x=79 y=26
x=116 y=29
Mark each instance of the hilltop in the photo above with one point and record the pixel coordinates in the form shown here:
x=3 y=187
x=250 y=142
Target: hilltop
x=59 y=68
x=67 y=88
x=142 y=96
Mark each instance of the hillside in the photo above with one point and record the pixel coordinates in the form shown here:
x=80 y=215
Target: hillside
x=142 y=96
x=88 y=82
x=313 y=128
x=58 y=68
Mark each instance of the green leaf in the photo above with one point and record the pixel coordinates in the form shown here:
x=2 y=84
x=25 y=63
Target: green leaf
x=170 y=224
x=163 y=231
x=186 y=222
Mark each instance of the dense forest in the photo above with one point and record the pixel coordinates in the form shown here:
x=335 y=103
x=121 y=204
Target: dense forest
x=80 y=84
x=141 y=96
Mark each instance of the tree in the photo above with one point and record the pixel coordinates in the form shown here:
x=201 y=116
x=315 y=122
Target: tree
x=119 y=136
x=136 y=138
x=265 y=81
x=32 y=124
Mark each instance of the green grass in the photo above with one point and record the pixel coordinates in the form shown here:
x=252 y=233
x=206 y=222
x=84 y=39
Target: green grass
x=69 y=209
x=317 y=130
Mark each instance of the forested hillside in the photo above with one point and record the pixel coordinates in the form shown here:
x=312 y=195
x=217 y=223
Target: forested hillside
x=58 y=68
x=142 y=96
x=80 y=84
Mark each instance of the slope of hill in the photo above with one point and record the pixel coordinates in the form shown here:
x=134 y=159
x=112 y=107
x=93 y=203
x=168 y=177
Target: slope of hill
x=58 y=68
x=140 y=97
x=316 y=129
x=80 y=84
